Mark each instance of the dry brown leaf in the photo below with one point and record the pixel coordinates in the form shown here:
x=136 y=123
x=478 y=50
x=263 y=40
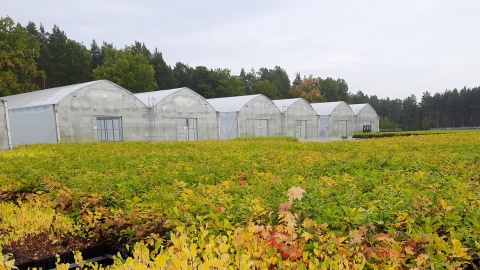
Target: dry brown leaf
x=295 y=193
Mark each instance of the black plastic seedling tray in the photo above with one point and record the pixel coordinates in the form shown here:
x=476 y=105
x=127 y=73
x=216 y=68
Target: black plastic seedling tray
x=100 y=254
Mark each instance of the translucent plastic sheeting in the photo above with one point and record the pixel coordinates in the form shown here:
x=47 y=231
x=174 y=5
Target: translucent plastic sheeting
x=365 y=115
x=179 y=115
x=77 y=113
x=298 y=118
x=324 y=126
x=102 y=112
x=336 y=119
x=257 y=116
x=32 y=125
x=229 y=125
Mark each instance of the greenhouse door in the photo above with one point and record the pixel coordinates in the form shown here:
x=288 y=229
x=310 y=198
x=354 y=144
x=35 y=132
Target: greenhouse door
x=191 y=129
x=342 y=128
x=228 y=125
x=109 y=129
x=324 y=126
x=261 y=127
x=187 y=129
x=301 y=129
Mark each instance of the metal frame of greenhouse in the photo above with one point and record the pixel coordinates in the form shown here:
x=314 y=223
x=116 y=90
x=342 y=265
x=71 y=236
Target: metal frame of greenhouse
x=247 y=116
x=85 y=112
x=335 y=119
x=179 y=114
x=365 y=115
x=299 y=119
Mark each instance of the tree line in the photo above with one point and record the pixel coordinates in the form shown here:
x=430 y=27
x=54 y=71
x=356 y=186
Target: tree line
x=450 y=109
x=32 y=58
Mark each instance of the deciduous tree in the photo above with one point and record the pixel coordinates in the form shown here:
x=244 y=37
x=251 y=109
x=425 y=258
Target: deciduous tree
x=18 y=50
x=308 y=89
x=266 y=88
x=228 y=85
x=334 y=90
x=127 y=69
x=279 y=77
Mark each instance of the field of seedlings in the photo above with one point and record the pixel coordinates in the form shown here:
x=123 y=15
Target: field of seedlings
x=275 y=203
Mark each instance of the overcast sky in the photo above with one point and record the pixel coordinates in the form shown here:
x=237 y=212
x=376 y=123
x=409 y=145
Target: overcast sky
x=384 y=48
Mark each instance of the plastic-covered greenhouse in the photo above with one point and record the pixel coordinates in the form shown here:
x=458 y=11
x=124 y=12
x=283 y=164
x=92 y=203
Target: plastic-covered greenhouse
x=299 y=119
x=247 y=116
x=179 y=115
x=93 y=111
x=5 y=142
x=335 y=119
x=366 y=118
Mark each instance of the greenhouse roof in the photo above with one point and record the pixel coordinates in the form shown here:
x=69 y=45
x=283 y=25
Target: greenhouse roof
x=356 y=108
x=326 y=108
x=159 y=95
x=45 y=97
x=230 y=104
x=281 y=103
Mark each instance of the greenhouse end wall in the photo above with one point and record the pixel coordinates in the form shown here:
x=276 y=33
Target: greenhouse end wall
x=335 y=119
x=80 y=114
x=259 y=117
x=342 y=121
x=183 y=116
x=300 y=120
x=366 y=116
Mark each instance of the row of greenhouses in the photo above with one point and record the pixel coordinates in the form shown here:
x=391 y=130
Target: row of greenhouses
x=104 y=111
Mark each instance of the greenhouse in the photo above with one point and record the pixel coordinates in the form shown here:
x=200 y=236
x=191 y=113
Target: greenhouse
x=335 y=119
x=366 y=118
x=179 y=115
x=299 y=119
x=92 y=111
x=5 y=142
x=247 y=116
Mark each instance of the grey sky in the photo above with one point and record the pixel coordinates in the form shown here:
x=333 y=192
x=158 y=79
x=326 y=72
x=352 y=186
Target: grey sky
x=384 y=48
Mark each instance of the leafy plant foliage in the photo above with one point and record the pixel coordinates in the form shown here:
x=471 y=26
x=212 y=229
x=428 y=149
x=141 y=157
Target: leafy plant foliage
x=400 y=202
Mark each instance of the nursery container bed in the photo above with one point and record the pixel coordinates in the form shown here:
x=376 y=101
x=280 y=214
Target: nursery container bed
x=102 y=254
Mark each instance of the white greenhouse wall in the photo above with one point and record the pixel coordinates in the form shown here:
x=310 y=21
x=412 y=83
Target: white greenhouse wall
x=337 y=123
x=341 y=116
x=247 y=116
x=182 y=116
x=31 y=125
x=258 y=118
x=94 y=111
x=365 y=116
x=80 y=112
x=298 y=120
